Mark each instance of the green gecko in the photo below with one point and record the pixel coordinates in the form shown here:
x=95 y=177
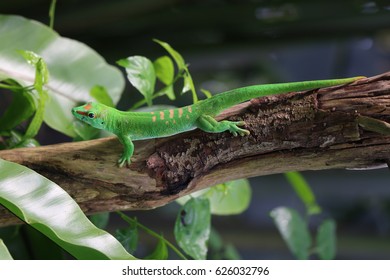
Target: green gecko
x=129 y=126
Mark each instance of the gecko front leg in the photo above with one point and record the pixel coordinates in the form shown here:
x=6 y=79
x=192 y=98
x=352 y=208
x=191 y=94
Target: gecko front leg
x=128 y=149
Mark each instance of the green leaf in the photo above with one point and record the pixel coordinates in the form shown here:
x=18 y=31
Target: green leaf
x=4 y=253
x=100 y=220
x=165 y=72
x=181 y=65
x=49 y=209
x=74 y=68
x=41 y=71
x=128 y=237
x=100 y=94
x=41 y=78
x=192 y=227
x=294 y=231
x=160 y=252
x=326 y=240
x=304 y=192
x=140 y=72
x=229 y=198
x=21 y=108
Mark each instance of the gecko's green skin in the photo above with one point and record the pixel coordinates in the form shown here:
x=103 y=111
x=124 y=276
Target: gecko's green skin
x=129 y=126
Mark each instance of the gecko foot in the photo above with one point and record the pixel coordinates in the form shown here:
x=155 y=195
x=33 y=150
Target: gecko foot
x=124 y=160
x=234 y=129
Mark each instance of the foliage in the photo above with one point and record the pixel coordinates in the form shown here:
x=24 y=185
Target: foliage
x=295 y=229
x=74 y=69
x=63 y=73
x=49 y=209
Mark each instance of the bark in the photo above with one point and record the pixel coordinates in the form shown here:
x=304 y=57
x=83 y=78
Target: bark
x=339 y=127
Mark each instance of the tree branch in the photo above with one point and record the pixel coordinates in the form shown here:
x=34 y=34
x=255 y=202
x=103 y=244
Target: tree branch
x=339 y=127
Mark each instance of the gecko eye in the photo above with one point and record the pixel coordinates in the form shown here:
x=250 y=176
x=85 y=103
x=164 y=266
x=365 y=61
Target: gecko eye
x=91 y=115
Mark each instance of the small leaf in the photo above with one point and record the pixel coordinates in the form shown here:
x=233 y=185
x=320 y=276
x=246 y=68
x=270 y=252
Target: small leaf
x=181 y=65
x=100 y=220
x=229 y=198
x=41 y=78
x=49 y=209
x=165 y=71
x=326 y=240
x=304 y=192
x=4 y=253
x=176 y=56
x=128 y=237
x=101 y=95
x=160 y=252
x=192 y=227
x=41 y=71
x=140 y=72
x=294 y=231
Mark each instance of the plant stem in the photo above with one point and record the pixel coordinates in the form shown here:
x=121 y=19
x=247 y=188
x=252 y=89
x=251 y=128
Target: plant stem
x=151 y=232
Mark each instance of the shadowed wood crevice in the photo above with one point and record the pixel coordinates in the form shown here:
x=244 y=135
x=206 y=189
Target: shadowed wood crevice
x=339 y=127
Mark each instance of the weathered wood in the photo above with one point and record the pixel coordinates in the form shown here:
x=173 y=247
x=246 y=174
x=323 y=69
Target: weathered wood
x=339 y=127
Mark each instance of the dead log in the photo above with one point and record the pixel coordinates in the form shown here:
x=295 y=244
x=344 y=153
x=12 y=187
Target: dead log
x=338 y=127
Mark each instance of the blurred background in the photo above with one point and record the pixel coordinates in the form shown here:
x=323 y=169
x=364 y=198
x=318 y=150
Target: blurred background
x=230 y=44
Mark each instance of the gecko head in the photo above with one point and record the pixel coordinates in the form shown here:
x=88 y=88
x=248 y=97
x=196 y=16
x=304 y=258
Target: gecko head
x=92 y=113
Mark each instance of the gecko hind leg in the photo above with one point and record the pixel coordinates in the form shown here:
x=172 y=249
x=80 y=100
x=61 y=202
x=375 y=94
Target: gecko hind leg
x=209 y=124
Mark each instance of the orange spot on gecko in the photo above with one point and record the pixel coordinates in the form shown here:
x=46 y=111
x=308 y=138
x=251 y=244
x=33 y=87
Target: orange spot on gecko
x=162 y=115
x=152 y=113
x=167 y=122
x=88 y=106
x=190 y=109
x=180 y=112
x=154 y=118
x=171 y=112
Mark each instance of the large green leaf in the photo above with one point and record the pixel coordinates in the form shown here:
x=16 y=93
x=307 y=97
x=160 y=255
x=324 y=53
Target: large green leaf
x=49 y=209
x=192 y=227
x=294 y=231
x=229 y=198
x=4 y=253
x=74 y=68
